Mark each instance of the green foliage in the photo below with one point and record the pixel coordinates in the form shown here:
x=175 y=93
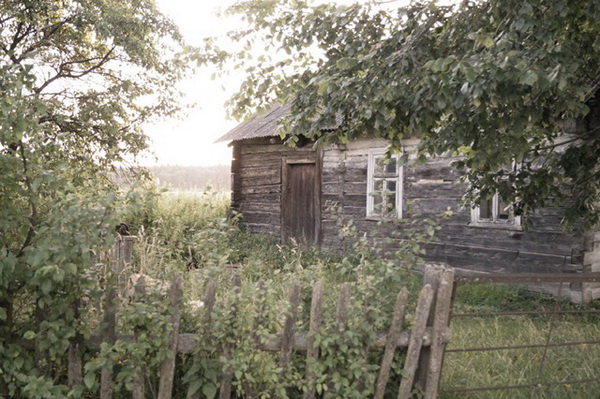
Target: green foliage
x=497 y=77
x=77 y=80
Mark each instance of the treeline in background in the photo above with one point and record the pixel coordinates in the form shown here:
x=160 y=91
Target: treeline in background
x=192 y=178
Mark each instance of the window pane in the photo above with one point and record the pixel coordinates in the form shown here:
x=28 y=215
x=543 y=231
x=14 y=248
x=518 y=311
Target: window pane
x=485 y=209
x=390 y=202
x=390 y=185
x=503 y=210
x=390 y=168
x=383 y=168
x=377 y=194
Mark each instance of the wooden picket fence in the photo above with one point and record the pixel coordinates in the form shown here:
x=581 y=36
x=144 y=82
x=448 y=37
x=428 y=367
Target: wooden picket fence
x=424 y=342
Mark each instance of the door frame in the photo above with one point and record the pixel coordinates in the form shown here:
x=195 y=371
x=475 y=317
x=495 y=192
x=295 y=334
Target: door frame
x=295 y=160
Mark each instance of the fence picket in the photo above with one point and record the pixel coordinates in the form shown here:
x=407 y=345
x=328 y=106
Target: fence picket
x=341 y=316
x=109 y=337
x=209 y=304
x=416 y=341
x=261 y=309
x=167 y=370
x=391 y=343
x=74 y=372
x=440 y=324
x=312 y=351
x=225 y=391
x=289 y=327
x=139 y=388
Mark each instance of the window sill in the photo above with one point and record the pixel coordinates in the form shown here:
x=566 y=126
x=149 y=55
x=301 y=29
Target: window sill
x=496 y=225
x=382 y=219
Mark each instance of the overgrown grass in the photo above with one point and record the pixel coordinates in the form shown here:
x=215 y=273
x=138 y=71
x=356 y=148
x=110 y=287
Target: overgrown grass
x=525 y=366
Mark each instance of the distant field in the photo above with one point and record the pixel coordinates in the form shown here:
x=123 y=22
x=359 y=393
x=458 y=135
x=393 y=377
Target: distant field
x=192 y=178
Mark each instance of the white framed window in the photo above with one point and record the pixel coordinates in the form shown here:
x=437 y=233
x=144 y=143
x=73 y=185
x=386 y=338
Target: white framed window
x=384 y=186
x=494 y=211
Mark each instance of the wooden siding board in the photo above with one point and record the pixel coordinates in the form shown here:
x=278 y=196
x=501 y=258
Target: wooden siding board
x=261 y=189
x=433 y=189
x=267 y=207
x=529 y=241
x=261 y=218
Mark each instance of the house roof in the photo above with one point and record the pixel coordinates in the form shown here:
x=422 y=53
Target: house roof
x=259 y=125
x=266 y=125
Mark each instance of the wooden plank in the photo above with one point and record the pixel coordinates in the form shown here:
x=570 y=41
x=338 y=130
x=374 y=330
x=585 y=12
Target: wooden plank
x=340 y=319
x=529 y=241
x=312 y=351
x=262 y=189
x=249 y=207
x=249 y=182
x=441 y=322
x=209 y=305
x=270 y=229
x=261 y=309
x=225 y=390
x=167 y=370
x=262 y=218
x=259 y=172
x=391 y=343
x=416 y=342
x=432 y=277
x=258 y=198
x=106 y=375
x=427 y=189
x=139 y=386
x=342 y=307
x=75 y=367
x=289 y=327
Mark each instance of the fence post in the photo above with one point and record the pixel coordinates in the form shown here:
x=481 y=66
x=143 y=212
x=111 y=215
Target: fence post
x=391 y=343
x=441 y=322
x=287 y=341
x=121 y=259
x=167 y=370
x=312 y=350
x=416 y=341
x=434 y=275
x=122 y=254
x=74 y=372
x=209 y=304
x=225 y=391
x=139 y=386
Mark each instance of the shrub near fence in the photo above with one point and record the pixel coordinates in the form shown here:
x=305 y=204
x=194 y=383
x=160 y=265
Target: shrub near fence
x=245 y=344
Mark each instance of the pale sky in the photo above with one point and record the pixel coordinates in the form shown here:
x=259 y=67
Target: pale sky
x=190 y=140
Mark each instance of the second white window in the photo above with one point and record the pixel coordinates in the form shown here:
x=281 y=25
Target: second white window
x=384 y=186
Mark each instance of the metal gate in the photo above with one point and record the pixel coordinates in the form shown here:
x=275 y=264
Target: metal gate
x=543 y=349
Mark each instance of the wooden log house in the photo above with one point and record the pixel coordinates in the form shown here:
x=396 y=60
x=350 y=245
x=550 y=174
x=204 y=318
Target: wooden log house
x=286 y=191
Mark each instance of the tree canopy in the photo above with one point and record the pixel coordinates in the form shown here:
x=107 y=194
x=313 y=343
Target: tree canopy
x=491 y=81
x=77 y=80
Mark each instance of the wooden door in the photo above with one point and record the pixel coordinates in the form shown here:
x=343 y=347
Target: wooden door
x=300 y=202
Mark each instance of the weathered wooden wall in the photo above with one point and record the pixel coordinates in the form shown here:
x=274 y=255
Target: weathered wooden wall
x=428 y=190
x=257 y=181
